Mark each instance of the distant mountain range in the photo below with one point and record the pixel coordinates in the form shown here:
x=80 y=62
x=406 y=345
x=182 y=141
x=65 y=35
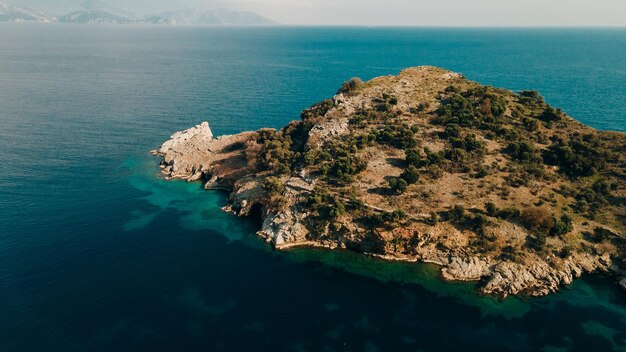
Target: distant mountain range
x=94 y=11
x=215 y=17
x=9 y=13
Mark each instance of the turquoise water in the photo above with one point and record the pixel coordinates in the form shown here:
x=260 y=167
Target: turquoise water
x=98 y=252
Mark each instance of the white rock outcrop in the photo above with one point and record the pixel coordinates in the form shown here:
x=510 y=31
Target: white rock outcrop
x=186 y=151
x=195 y=154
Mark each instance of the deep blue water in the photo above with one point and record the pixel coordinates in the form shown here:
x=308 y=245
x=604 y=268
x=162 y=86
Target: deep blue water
x=98 y=253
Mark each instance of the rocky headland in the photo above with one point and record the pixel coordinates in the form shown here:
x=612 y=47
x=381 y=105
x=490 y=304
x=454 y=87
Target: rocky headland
x=494 y=186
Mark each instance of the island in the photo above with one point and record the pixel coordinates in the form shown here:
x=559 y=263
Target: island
x=494 y=186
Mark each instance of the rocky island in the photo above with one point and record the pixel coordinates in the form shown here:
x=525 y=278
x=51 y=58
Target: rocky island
x=494 y=186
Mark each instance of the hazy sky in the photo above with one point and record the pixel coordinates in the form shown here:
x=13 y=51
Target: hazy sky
x=402 y=12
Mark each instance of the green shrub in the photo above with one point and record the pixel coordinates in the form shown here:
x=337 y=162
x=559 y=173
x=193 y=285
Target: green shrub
x=399 y=136
x=355 y=203
x=481 y=172
x=351 y=85
x=434 y=158
x=530 y=97
x=456 y=213
x=509 y=213
x=413 y=158
x=451 y=131
x=550 y=114
x=452 y=89
x=434 y=218
x=410 y=174
x=347 y=166
x=493 y=105
x=325 y=205
x=601 y=234
x=456 y=110
x=422 y=106
x=538 y=242
x=276 y=154
x=477 y=222
x=602 y=187
x=456 y=154
x=339 y=159
x=562 y=226
x=491 y=209
x=592 y=198
x=530 y=124
x=524 y=151
x=318 y=110
x=469 y=143
x=274 y=188
x=578 y=157
x=357 y=120
x=383 y=107
x=384 y=218
x=397 y=185
x=479 y=107
x=273 y=185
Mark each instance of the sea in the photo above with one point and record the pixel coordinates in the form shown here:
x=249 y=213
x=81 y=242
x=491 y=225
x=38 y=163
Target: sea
x=99 y=253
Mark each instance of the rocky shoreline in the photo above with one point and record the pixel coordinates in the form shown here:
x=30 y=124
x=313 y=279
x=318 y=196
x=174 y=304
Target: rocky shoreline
x=194 y=155
x=224 y=163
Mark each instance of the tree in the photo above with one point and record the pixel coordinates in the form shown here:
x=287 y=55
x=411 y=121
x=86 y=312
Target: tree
x=491 y=208
x=397 y=185
x=538 y=242
x=350 y=85
x=550 y=114
x=456 y=213
x=410 y=174
x=434 y=217
x=523 y=151
x=273 y=185
x=576 y=157
x=452 y=130
x=413 y=158
x=562 y=226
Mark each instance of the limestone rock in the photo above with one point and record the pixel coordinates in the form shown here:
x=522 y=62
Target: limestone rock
x=184 y=151
x=327 y=130
x=284 y=229
x=540 y=278
x=465 y=269
x=194 y=154
x=246 y=194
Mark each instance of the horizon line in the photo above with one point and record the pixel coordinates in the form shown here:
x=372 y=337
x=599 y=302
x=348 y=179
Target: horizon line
x=450 y=26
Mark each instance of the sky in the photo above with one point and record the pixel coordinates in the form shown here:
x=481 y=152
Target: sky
x=396 y=12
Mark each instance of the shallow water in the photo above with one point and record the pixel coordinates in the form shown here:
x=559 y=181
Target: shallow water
x=98 y=252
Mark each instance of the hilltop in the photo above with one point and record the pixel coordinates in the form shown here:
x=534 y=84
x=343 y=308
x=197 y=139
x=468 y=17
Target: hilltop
x=494 y=186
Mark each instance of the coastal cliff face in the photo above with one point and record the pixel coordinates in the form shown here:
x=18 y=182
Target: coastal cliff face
x=493 y=186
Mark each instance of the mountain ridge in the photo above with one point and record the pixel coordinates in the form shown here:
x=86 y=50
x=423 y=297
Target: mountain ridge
x=93 y=11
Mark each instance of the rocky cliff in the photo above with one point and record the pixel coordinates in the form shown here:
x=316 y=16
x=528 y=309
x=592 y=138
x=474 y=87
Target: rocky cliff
x=494 y=186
